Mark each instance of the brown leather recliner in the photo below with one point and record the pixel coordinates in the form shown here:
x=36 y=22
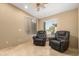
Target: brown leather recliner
x=40 y=38
x=61 y=41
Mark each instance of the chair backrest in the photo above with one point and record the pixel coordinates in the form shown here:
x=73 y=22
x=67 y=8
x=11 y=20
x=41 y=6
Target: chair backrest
x=41 y=34
x=62 y=35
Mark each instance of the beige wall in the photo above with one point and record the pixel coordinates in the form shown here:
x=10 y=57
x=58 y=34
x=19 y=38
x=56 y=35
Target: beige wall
x=12 y=20
x=78 y=30
x=67 y=21
x=39 y=25
x=12 y=26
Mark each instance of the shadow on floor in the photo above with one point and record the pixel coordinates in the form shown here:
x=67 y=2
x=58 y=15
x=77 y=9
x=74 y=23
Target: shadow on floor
x=69 y=52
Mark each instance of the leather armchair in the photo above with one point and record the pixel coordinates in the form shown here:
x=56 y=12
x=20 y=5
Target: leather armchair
x=40 y=38
x=61 y=41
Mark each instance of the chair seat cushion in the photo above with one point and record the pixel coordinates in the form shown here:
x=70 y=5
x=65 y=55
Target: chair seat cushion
x=55 y=42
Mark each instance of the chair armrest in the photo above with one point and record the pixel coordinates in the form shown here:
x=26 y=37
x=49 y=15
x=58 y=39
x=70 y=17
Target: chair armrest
x=63 y=41
x=35 y=37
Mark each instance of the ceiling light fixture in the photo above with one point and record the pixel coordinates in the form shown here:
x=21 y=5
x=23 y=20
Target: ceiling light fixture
x=40 y=5
x=26 y=6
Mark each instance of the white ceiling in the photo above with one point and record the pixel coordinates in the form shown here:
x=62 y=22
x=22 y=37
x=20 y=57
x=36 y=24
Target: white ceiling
x=51 y=8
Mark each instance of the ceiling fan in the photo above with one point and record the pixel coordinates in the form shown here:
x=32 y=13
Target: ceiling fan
x=40 y=5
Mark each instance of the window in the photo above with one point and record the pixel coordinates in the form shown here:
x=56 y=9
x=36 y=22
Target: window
x=34 y=29
x=50 y=26
x=30 y=25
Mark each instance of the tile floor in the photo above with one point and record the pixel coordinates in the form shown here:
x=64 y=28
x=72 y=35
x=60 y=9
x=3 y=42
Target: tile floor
x=28 y=49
